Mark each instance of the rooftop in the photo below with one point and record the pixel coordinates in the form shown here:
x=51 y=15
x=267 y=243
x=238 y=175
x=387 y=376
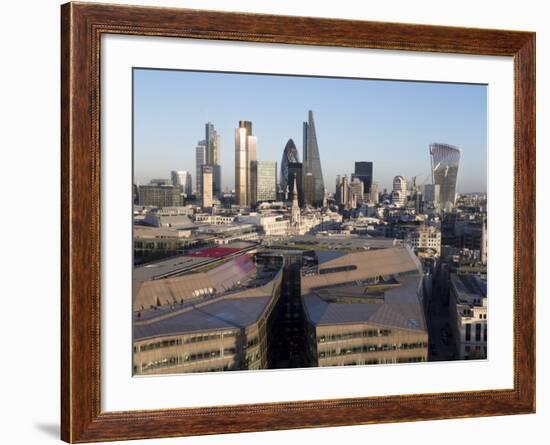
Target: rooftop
x=394 y=303
x=238 y=309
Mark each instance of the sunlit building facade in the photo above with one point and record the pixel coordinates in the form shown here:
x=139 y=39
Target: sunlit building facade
x=445 y=160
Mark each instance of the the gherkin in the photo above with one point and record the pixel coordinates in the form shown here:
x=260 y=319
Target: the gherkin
x=290 y=154
x=313 y=184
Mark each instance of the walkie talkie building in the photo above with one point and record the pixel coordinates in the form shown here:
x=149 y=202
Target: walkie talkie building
x=445 y=160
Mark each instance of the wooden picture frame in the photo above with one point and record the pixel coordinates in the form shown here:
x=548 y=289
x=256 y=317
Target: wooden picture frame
x=82 y=25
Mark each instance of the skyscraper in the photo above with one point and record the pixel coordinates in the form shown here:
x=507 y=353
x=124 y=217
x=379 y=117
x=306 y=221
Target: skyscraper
x=212 y=156
x=182 y=179
x=263 y=181
x=290 y=154
x=445 y=160
x=399 y=192
x=363 y=171
x=200 y=159
x=207 y=180
x=312 y=181
x=212 y=144
x=245 y=153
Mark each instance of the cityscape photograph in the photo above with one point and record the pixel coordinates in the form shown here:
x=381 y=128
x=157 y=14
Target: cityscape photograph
x=285 y=221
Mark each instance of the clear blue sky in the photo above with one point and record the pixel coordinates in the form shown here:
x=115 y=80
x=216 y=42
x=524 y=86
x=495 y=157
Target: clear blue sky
x=390 y=123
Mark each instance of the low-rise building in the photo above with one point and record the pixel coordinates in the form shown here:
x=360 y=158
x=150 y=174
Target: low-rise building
x=468 y=306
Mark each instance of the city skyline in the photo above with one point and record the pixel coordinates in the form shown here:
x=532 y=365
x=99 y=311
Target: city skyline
x=355 y=133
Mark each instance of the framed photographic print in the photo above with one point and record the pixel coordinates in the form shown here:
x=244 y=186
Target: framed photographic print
x=276 y=222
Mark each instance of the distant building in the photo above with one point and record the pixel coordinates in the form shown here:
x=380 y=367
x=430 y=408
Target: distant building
x=363 y=171
x=290 y=155
x=312 y=181
x=182 y=179
x=374 y=194
x=200 y=160
x=343 y=192
x=212 y=157
x=425 y=237
x=295 y=173
x=468 y=306
x=445 y=161
x=430 y=196
x=356 y=188
x=263 y=182
x=207 y=186
x=159 y=195
x=245 y=153
x=399 y=192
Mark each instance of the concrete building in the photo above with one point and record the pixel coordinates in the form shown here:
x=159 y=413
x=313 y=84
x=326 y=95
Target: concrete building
x=468 y=306
x=374 y=193
x=271 y=225
x=245 y=153
x=424 y=238
x=356 y=188
x=209 y=328
x=207 y=186
x=365 y=308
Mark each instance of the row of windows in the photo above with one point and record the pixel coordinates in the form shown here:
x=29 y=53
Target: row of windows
x=357 y=334
x=179 y=341
x=178 y=360
x=468 y=334
x=371 y=348
x=382 y=361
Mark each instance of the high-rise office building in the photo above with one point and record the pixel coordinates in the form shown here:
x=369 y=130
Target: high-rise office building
x=399 y=192
x=356 y=187
x=245 y=153
x=182 y=179
x=314 y=186
x=290 y=154
x=263 y=181
x=343 y=195
x=363 y=171
x=430 y=195
x=207 y=189
x=445 y=160
x=212 y=156
x=200 y=160
x=374 y=195
x=212 y=144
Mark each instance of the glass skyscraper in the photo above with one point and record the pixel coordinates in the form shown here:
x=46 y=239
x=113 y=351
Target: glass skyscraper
x=264 y=181
x=290 y=154
x=445 y=160
x=363 y=171
x=312 y=175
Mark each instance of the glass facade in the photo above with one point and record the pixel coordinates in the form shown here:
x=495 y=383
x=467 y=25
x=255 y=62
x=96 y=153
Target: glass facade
x=264 y=181
x=445 y=161
x=314 y=186
x=363 y=171
x=290 y=155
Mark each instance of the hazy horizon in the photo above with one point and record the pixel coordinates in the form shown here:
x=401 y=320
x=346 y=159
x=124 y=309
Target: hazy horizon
x=390 y=123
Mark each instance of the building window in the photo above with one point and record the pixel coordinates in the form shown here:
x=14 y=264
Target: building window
x=478 y=332
x=468 y=332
